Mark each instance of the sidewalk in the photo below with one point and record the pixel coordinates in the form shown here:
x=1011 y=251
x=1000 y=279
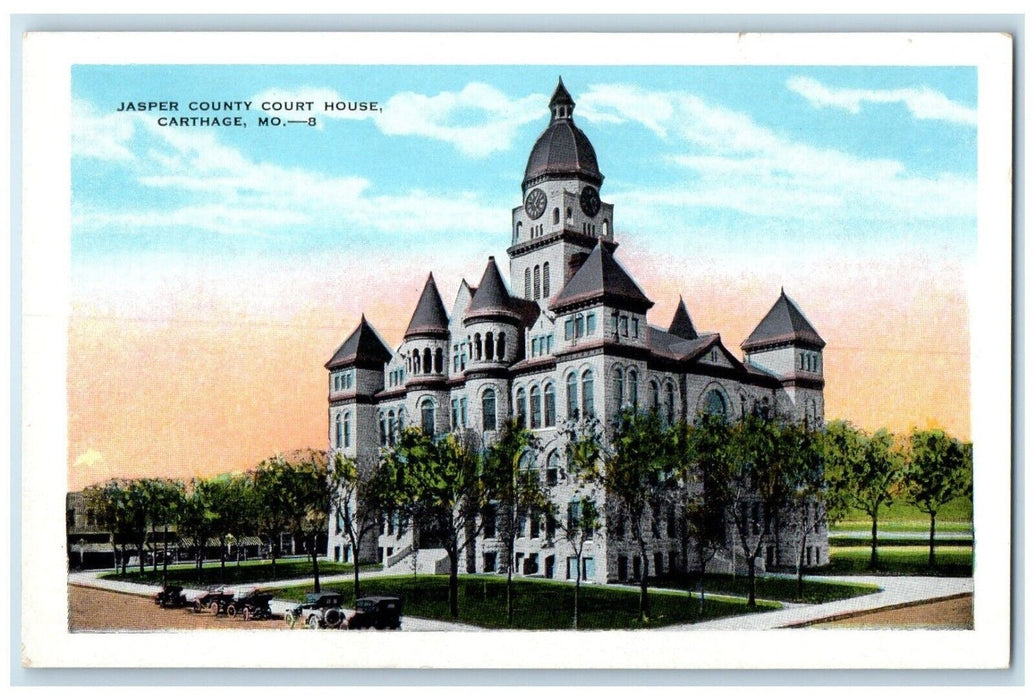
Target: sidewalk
x=895 y=590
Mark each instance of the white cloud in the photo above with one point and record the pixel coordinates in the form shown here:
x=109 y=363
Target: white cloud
x=922 y=103
x=733 y=163
x=101 y=136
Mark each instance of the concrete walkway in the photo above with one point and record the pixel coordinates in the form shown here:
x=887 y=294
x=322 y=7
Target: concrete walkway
x=895 y=591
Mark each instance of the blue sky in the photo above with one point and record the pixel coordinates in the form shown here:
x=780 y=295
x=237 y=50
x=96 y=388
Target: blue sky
x=711 y=161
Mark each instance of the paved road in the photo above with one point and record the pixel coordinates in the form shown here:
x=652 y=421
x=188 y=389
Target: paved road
x=895 y=590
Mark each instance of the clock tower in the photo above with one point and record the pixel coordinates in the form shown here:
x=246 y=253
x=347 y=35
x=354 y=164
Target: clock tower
x=562 y=217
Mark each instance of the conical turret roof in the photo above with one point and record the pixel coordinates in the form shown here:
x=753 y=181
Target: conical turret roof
x=492 y=296
x=681 y=324
x=785 y=324
x=429 y=318
x=363 y=348
x=602 y=277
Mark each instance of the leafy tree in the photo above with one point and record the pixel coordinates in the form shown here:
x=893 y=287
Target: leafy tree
x=702 y=451
x=137 y=504
x=802 y=451
x=355 y=504
x=307 y=500
x=939 y=470
x=165 y=500
x=111 y=504
x=584 y=451
x=273 y=496
x=863 y=471
x=638 y=472
x=513 y=489
x=754 y=469
x=193 y=523
x=445 y=474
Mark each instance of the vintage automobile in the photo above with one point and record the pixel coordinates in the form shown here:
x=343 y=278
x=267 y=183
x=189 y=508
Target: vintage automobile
x=319 y=611
x=251 y=604
x=377 y=611
x=216 y=599
x=171 y=597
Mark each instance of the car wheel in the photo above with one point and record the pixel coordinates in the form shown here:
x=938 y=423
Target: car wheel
x=214 y=607
x=289 y=619
x=197 y=606
x=231 y=610
x=334 y=618
x=314 y=623
x=247 y=614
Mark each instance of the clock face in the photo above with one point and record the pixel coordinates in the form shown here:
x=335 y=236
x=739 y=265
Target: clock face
x=589 y=200
x=535 y=203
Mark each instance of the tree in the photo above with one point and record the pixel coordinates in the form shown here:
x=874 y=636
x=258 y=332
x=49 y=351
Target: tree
x=272 y=493
x=355 y=504
x=701 y=449
x=166 y=500
x=445 y=474
x=807 y=485
x=306 y=500
x=939 y=470
x=110 y=502
x=513 y=489
x=754 y=469
x=863 y=471
x=639 y=474
x=136 y=500
x=583 y=450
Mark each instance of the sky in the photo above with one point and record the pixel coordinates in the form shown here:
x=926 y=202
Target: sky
x=215 y=269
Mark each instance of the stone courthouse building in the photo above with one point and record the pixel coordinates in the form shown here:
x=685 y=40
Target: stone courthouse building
x=569 y=337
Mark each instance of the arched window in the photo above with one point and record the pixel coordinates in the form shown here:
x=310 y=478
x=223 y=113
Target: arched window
x=391 y=428
x=522 y=408
x=553 y=468
x=604 y=228
x=619 y=387
x=715 y=404
x=401 y=422
x=427 y=360
x=537 y=407
x=501 y=346
x=337 y=431
x=384 y=430
x=477 y=346
x=670 y=403
x=490 y=346
x=536 y=282
x=439 y=361
x=427 y=416
x=549 y=407
x=517 y=232
x=655 y=396
x=416 y=360
x=346 y=431
x=567 y=215
x=557 y=215
x=546 y=280
x=489 y=409
x=587 y=393
x=634 y=388
x=528 y=283
x=573 y=396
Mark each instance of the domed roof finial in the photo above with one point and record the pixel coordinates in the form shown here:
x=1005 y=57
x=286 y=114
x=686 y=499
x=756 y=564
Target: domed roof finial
x=561 y=104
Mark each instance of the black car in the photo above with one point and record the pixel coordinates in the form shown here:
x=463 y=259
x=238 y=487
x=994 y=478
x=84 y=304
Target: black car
x=319 y=611
x=377 y=611
x=252 y=605
x=215 y=599
x=171 y=597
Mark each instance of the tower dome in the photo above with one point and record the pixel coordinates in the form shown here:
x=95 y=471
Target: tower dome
x=562 y=150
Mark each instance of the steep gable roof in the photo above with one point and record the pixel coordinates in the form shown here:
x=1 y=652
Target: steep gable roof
x=681 y=324
x=364 y=347
x=429 y=318
x=602 y=277
x=783 y=325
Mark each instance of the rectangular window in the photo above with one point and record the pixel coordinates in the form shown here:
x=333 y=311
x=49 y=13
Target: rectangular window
x=549 y=343
x=591 y=324
x=636 y=327
x=533 y=530
x=589 y=569
x=454 y=415
x=463 y=412
x=489 y=521
x=625 y=326
x=580 y=328
x=569 y=327
x=535 y=347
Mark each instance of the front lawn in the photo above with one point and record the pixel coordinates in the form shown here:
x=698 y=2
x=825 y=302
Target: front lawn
x=538 y=604
x=247 y=572
x=780 y=588
x=901 y=560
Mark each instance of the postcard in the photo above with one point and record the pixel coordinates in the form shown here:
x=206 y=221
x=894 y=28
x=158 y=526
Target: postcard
x=517 y=350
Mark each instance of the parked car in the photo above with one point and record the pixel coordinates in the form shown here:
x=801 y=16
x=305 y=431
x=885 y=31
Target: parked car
x=171 y=597
x=319 y=611
x=215 y=599
x=377 y=611
x=252 y=604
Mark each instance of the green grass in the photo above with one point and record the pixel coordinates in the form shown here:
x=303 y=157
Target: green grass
x=782 y=588
x=842 y=541
x=957 y=512
x=538 y=604
x=901 y=560
x=247 y=572
x=920 y=527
